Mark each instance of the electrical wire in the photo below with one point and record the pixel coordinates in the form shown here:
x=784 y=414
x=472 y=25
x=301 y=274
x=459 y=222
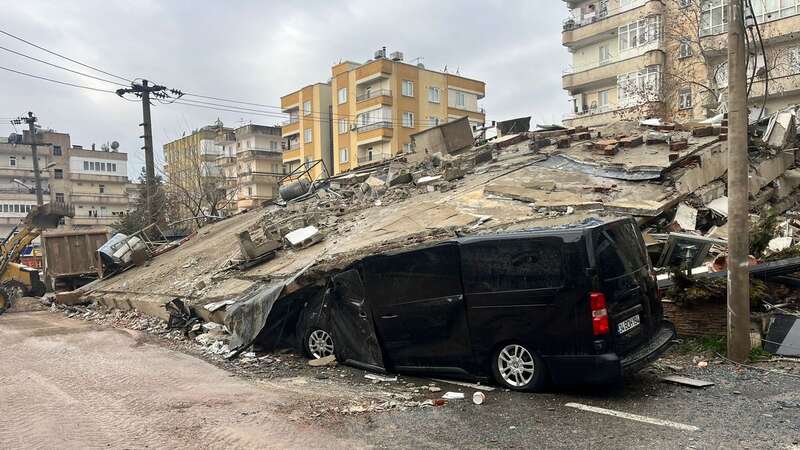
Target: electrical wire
x=56 y=81
x=766 y=69
x=62 y=56
x=61 y=67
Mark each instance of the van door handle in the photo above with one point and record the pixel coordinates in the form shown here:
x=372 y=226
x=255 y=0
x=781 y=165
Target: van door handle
x=389 y=316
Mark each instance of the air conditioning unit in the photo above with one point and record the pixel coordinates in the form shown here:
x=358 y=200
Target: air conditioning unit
x=380 y=54
x=396 y=56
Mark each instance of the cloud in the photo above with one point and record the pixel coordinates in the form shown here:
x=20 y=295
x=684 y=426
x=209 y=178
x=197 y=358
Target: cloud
x=257 y=51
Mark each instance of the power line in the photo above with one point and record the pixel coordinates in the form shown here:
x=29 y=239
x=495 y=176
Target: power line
x=56 y=81
x=61 y=67
x=64 y=57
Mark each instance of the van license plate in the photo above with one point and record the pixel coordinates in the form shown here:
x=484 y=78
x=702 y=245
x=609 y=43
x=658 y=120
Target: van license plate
x=628 y=324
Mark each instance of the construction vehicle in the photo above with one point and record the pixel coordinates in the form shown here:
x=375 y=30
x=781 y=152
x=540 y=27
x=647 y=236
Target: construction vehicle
x=18 y=280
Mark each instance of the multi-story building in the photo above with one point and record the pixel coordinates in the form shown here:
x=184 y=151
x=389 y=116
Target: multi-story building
x=369 y=111
x=379 y=104
x=259 y=164
x=307 y=132
x=192 y=175
x=634 y=58
x=93 y=181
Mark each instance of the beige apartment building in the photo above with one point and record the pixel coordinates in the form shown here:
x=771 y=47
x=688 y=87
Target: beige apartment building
x=370 y=110
x=307 y=132
x=668 y=58
x=251 y=161
x=94 y=181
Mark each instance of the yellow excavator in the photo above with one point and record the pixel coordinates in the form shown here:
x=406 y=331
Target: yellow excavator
x=18 y=280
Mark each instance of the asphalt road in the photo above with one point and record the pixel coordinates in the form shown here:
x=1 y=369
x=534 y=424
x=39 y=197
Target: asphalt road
x=66 y=383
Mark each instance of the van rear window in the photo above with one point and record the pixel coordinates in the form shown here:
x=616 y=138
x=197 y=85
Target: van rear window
x=512 y=265
x=619 y=251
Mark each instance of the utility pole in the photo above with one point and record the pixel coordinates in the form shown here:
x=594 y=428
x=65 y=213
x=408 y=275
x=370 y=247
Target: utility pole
x=30 y=119
x=143 y=90
x=738 y=220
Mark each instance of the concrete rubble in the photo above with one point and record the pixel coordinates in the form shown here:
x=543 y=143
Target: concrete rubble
x=671 y=177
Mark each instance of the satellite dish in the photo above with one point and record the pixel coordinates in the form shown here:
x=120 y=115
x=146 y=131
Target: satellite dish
x=115 y=145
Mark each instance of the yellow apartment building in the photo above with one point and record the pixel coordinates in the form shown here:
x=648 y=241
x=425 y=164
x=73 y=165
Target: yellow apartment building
x=379 y=104
x=307 y=132
x=634 y=58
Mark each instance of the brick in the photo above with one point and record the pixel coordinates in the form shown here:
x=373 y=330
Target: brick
x=611 y=150
x=584 y=136
x=581 y=129
x=674 y=156
x=703 y=131
x=678 y=146
x=632 y=141
x=723 y=137
x=563 y=142
x=601 y=145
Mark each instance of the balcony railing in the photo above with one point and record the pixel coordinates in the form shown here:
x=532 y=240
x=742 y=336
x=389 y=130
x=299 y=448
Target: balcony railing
x=292 y=146
x=289 y=121
x=363 y=159
x=374 y=126
x=573 y=22
x=372 y=94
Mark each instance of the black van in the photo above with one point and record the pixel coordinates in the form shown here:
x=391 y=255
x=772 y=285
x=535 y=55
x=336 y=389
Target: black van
x=573 y=305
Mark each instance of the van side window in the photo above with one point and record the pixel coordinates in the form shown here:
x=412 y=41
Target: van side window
x=619 y=252
x=512 y=265
x=423 y=274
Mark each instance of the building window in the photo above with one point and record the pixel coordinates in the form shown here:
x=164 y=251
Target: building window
x=766 y=10
x=461 y=99
x=602 y=100
x=343 y=126
x=713 y=17
x=433 y=120
x=56 y=150
x=433 y=94
x=605 y=55
x=12 y=161
x=343 y=95
x=114 y=167
x=685 y=98
x=685 y=50
x=307 y=135
x=59 y=197
x=639 y=33
x=408 y=120
x=249 y=191
x=102 y=167
x=102 y=188
x=86 y=165
x=58 y=174
x=344 y=155
x=794 y=60
x=408 y=88
x=721 y=74
x=641 y=86
x=91 y=165
x=407 y=147
x=307 y=107
x=273 y=145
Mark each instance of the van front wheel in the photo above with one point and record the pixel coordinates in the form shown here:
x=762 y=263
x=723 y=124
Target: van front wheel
x=517 y=368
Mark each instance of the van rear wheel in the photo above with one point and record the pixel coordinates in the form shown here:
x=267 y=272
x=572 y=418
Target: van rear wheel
x=518 y=368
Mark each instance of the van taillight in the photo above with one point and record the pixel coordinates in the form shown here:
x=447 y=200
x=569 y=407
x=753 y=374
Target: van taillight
x=597 y=302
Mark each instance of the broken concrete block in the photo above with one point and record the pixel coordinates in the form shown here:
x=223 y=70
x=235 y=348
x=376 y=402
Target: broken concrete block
x=483 y=157
x=655 y=137
x=672 y=157
x=70 y=298
x=601 y=145
x=563 y=142
x=581 y=136
x=304 y=237
x=424 y=181
x=632 y=141
x=400 y=178
x=453 y=173
x=324 y=361
x=610 y=150
x=375 y=182
x=685 y=218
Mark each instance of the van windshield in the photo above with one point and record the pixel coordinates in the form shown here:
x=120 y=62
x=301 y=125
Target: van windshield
x=619 y=251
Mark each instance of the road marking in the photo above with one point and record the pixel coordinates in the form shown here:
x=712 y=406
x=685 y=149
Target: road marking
x=629 y=416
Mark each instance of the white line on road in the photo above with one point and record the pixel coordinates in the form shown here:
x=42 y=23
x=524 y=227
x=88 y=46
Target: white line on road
x=629 y=416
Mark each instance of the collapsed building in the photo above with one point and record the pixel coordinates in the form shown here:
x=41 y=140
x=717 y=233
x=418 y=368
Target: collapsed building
x=670 y=177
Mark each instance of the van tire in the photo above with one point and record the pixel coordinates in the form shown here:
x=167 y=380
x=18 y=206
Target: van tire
x=518 y=368
x=318 y=343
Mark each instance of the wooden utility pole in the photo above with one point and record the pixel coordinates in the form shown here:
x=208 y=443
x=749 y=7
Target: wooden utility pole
x=143 y=90
x=738 y=186
x=30 y=119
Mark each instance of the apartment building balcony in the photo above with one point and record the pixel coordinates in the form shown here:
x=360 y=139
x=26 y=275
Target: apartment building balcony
x=367 y=158
x=77 y=176
x=99 y=199
x=477 y=114
x=373 y=98
x=609 y=113
x=577 y=80
x=375 y=132
x=12 y=172
x=578 y=32
x=290 y=127
x=380 y=68
x=226 y=137
x=467 y=85
x=226 y=160
x=290 y=101
x=86 y=221
x=253 y=177
x=258 y=153
x=295 y=154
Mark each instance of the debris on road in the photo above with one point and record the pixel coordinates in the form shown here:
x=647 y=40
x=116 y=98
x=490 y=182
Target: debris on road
x=321 y=362
x=380 y=378
x=453 y=396
x=685 y=381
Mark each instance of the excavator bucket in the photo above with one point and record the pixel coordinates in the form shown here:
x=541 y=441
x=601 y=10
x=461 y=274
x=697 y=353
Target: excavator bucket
x=48 y=215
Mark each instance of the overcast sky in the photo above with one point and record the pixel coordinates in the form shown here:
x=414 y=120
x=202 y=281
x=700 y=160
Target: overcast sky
x=257 y=51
